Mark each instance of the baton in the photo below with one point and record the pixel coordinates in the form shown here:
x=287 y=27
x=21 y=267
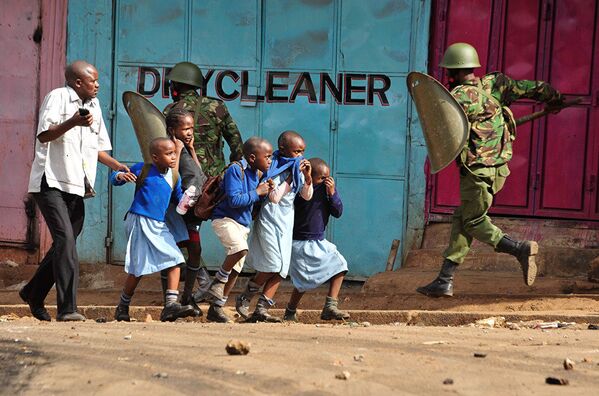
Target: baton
x=544 y=112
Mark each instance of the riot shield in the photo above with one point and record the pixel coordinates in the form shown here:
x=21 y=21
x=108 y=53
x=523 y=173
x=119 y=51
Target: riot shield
x=148 y=122
x=444 y=123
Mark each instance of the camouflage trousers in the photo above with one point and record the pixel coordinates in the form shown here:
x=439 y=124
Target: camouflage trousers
x=478 y=186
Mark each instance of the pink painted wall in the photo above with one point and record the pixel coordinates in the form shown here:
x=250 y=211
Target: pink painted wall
x=32 y=63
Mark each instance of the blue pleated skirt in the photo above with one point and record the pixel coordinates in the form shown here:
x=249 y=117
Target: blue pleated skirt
x=313 y=263
x=150 y=246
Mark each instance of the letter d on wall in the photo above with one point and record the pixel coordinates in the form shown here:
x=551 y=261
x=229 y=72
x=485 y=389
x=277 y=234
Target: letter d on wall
x=141 y=81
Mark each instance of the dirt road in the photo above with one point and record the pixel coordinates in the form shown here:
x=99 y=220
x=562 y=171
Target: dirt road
x=190 y=358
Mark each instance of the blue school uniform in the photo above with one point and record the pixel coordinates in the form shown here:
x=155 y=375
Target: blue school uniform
x=314 y=260
x=150 y=245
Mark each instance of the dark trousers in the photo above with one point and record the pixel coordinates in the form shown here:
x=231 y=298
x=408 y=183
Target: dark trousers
x=64 y=214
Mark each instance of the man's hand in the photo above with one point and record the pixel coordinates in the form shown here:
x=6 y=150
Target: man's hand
x=329 y=182
x=306 y=169
x=263 y=189
x=126 y=176
x=79 y=120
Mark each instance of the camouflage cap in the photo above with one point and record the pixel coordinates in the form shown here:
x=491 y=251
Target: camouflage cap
x=460 y=56
x=186 y=73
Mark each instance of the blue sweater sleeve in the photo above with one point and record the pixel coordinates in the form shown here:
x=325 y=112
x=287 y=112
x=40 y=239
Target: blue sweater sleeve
x=234 y=189
x=136 y=169
x=335 y=205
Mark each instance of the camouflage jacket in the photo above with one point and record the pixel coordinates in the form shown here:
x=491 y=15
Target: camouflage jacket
x=213 y=124
x=492 y=125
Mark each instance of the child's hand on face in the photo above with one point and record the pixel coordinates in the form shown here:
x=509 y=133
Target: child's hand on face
x=82 y=120
x=329 y=182
x=263 y=189
x=126 y=176
x=178 y=144
x=189 y=144
x=306 y=169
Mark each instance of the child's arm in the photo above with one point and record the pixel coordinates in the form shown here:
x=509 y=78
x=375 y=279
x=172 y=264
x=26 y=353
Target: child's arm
x=307 y=189
x=234 y=189
x=277 y=193
x=177 y=191
x=118 y=178
x=335 y=204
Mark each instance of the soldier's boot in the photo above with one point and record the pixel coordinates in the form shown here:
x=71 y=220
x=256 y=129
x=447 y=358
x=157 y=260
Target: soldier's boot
x=173 y=311
x=331 y=311
x=216 y=291
x=243 y=300
x=525 y=252
x=203 y=285
x=164 y=284
x=217 y=314
x=121 y=313
x=187 y=296
x=261 y=312
x=290 y=315
x=442 y=286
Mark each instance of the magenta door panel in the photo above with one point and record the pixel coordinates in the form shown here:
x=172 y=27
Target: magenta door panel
x=555 y=164
x=19 y=81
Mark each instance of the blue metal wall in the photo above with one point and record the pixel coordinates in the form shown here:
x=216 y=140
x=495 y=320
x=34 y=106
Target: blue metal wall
x=374 y=150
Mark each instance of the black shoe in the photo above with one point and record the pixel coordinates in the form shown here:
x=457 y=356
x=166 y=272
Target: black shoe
x=290 y=316
x=173 y=311
x=37 y=310
x=525 y=252
x=188 y=300
x=70 y=317
x=121 y=314
x=259 y=316
x=217 y=314
x=442 y=286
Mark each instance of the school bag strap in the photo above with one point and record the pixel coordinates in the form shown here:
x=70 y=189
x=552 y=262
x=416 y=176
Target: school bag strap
x=213 y=193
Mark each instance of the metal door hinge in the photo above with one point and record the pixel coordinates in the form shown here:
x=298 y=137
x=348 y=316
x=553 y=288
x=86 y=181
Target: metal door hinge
x=108 y=241
x=111 y=114
x=333 y=125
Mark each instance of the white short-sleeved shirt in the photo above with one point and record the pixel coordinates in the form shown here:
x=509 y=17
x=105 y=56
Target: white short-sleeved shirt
x=67 y=160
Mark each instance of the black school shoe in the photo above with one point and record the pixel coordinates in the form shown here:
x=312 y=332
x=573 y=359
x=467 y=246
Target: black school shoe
x=70 y=317
x=121 y=314
x=37 y=310
x=173 y=311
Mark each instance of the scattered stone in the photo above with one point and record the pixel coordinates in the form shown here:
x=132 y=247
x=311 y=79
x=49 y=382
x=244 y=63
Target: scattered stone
x=513 y=326
x=10 y=263
x=358 y=358
x=568 y=364
x=366 y=324
x=127 y=337
x=344 y=375
x=493 y=321
x=238 y=347
x=556 y=381
x=101 y=320
x=447 y=381
x=434 y=342
x=480 y=355
x=160 y=375
x=148 y=318
x=593 y=327
x=122 y=359
x=10 y=317
x=240 y=372
x=587 y=360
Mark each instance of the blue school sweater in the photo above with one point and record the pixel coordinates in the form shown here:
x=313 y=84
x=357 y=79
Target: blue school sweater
x=153 y=197
x=240 y=194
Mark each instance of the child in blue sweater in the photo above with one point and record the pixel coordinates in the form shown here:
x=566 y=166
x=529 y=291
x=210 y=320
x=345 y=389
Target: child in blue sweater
x=151 y=247
x=232 y=217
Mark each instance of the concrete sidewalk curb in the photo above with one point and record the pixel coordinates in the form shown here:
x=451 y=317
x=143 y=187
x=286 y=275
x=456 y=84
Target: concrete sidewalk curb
x=411 y=317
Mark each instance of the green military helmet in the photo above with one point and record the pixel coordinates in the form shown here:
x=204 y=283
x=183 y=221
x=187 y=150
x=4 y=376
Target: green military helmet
x=186 y=73
x=460 y=56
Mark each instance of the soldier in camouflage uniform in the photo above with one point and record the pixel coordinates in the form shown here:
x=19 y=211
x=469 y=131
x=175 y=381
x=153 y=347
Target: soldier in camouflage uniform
x=212 y=123
x=484 y=162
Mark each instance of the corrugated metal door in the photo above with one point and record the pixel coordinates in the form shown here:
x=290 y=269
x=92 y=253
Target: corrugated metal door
x=554 y=166
x=18 y=114
x=360 y=46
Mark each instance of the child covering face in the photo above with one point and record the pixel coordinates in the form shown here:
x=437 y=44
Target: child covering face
x=271 y=238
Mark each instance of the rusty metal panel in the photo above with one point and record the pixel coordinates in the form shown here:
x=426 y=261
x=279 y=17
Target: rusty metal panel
x=21 y=34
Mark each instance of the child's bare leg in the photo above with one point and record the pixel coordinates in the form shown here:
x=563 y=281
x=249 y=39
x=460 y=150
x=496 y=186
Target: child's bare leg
x=216 y=312
x=122 y=310
x=330 y=310
x=231 y=282
x=244 y=299
x=217 y=288
x=265 y=301
x=335 y=285
x=291 y=309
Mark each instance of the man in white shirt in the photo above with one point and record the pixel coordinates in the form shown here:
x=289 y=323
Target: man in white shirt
x=71 y=139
